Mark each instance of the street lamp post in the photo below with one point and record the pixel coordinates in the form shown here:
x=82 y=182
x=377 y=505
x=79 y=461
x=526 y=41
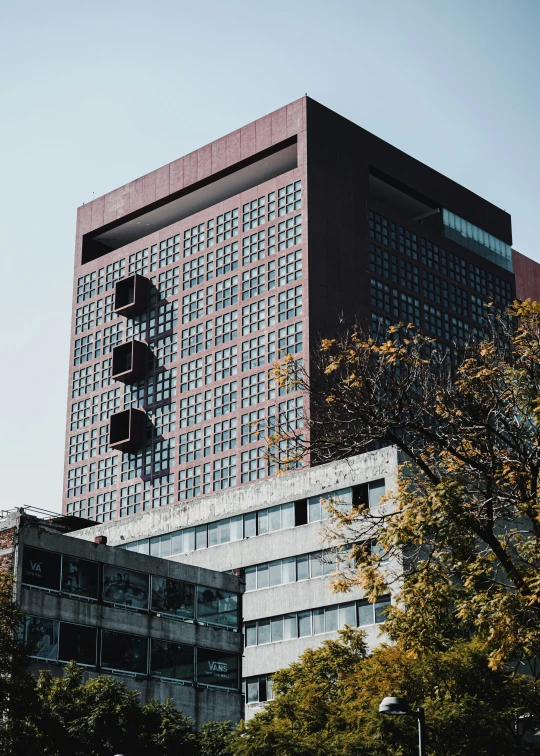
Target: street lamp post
x=400 y=707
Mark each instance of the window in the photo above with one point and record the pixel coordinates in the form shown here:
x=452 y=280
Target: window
x=85 y=317
x=314 y=621
x=224 y=473
x=217 y=669
x=164 y=418
x=253 y=464
x=225 y=363
x=253 y=316
x=227 y=225
x=127 y=653
x=191 y=375
x=253 y=282
x=224 y=399
x=161 y=386
x=193 y=240
x=190 y=410
x=290 y=198
x=109 y=403
x=217 y=607
x=81 y=382
x=290 y=232
x=226 y=327
x=253 y=424
x=291 y=413
x=259 y=689
x=80 y=414
x=165 y=349
x=107 y=472
x=253 y=389
x=83 y=350
x=86 y=287
x=253 y=353
x=290 y=339
x=112 y=335
x=189 y=446
x=226 y=293
x=78 y=448
x=193 y=306
x=105 y=507
x=138 y=262
x=168 y=282
x=289 y=303
x=226 y=259
x=172 y=661
x=130 y=499
x=193 y=272
x=192 y=340
x=253 y=247
x=253 y=214
x=189 y=482
x=224 y=435
x=169 y=251
x=115 y=271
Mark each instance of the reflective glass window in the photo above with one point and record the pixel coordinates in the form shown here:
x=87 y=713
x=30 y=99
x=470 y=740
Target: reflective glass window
x=172 y=660
x=217 y=606
x=288 y=568
x=124 y=652
x=289 y=626
x=125 y=587
x=217 y=668
x=173 y=597
x=304 y=623
x=78 y=643
x=277 y=629
x=41 y=635
x=80 y=577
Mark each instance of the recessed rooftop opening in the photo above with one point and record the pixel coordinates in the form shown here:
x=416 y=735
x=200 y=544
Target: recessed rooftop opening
x=131 y=295
x=405 y=200
x=220 y=186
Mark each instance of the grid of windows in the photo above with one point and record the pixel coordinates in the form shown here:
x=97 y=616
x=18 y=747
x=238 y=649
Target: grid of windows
x=190 y=410
x=290 y=232
x=189 y=446
x=291 y=570
x=84 y=349
x=158 y=492
x=193 y=272
x=162 y=318
x=112 y=336
x=161 y=386
x=109 y=403
x=253 y=389
x=226 y=327
x=191 y=375
x=227 y=225
x=189 y=482
x=253 y=316
x=253 y=247
x=78 y=447
x=290 y=267
x=291 y=413
x=225 y=399
x=107 y=472
x=290 y=339
x=253 y=282
x=290 y=198
x=224 y=435
x=85 y=317
x=105 y=507
x=326 y=619
x=289 y=303
x=192 y=340
x=114 y=272
x=80 y=414
x=99 y=441
x=226 y=259
x=138 y=262
x=159 y=456
x=226 y=363
x=86 y=287
x=405 y=273
x=226 y=292
x=224 y=473
x=164 y=418
x=168 y=282
x=252 y=428
x=253 y=213
x=253 y=353
x=253 y=464
x=77 y=482
x=81 y=382
x=193 y=240
x=193 y=306
x=130 y=499
x=165 y=350
x=169 y=251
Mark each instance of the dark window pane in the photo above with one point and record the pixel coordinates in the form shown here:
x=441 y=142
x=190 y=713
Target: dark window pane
x=217 y=668
x=42 y=637
x=380 y=608
x=217 y=607
x=79 y=577
x=41 y=568
x=125 y=587
x=172 y=660
x=77 y=643
x=173 y=597
x=124 y=652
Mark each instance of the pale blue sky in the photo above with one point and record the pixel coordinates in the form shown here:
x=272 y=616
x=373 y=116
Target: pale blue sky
x=95 y=94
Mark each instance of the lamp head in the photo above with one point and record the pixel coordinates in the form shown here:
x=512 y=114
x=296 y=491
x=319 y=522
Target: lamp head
x=396 y=706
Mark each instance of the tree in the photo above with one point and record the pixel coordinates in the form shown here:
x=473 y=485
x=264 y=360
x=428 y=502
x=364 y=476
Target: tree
x=461 y=536
x=17 y=694
x=327 y=704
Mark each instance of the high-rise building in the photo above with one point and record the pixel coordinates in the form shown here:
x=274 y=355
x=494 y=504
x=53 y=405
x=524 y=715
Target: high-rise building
x=192 y=280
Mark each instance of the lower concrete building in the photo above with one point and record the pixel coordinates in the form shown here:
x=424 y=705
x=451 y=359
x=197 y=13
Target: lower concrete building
x=272 y=535
x=167 y=629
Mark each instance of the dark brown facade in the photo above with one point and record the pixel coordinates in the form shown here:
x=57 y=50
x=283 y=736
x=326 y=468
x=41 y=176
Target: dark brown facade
x=192 y=280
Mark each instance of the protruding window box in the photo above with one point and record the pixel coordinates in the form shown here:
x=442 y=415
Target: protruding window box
x=129 y=361
x=127 y=430
x=131 y=295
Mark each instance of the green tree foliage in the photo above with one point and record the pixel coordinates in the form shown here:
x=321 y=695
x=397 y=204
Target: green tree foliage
x=326 y=704
x=17 y=691
x=460 y=539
